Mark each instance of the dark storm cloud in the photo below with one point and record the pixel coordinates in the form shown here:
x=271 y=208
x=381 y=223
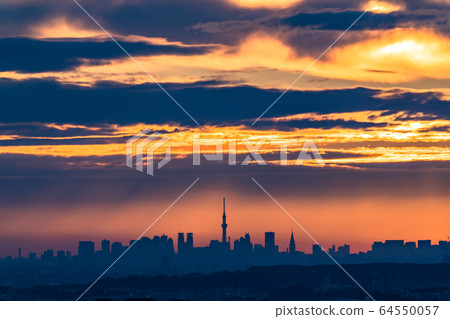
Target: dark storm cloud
x=43 y=134
x=323 y=124
x=205 y=21
x=68 y=141
x=171 y=19
x=342 y=20
x=112 y=103
x=43 y=130
x=29 y=55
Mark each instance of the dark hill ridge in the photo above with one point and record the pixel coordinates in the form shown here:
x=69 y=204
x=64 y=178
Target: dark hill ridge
x=326 y=282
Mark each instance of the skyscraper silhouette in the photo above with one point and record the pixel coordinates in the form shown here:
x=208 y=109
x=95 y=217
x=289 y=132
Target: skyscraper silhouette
x=269 y=240
x=106 y=247
x=292 y=243
x=86 y=250
x=189 y=244
x=224 y=224
x=180 y=243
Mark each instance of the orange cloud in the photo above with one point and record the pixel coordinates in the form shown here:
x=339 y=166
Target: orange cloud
x=403 y=140
x=269 y=4
x=392 y=56
x=382 y=6
x=407 y=57
x=62 y=28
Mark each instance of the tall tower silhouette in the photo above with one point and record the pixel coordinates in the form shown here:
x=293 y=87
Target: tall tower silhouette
x=292 y=243
x=224 y=224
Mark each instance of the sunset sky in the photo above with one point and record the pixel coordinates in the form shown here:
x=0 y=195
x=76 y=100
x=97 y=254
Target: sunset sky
x=377 y=104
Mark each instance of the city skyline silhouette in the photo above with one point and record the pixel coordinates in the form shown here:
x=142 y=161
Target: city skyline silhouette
x=397 y=249
x=173 y=264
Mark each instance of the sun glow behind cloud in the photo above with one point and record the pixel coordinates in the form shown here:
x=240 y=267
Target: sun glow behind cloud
x=62 y=28
x=396 y=56
x=391 y=56
x=382 y=7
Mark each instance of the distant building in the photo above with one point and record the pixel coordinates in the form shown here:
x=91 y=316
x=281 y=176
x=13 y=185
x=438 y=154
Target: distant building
x=292 y=244
x=258 y=249
x=181 y=243
x=60 y=255
x=269 y=243
x=220 y=248
x=269 y=239
x=86 y=250
x=424 y=244
x=116 y=249
x=425 y=249
x=170 y=245
x=332 y=250
x=224 y=224
x=317 y=251
x=243 y=246
x=189 y=245
x=47 y=256
x=343 y=251
x=106 y=247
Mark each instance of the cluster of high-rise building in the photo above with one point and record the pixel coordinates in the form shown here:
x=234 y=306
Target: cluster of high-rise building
x=159 y=251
